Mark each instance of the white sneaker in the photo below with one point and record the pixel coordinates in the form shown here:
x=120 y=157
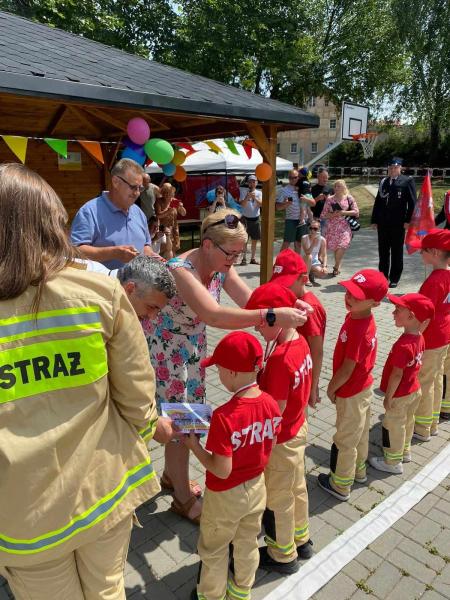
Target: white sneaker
x=407 y=457
x=422 y=438
x=377 y=462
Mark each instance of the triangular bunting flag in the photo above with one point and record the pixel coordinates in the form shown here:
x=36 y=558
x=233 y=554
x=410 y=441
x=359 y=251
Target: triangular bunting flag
x=231 y=146
x=59 y=146
x=214 y=147
x=248 y=150
x=187 y=147
x=94 y=149
x=18 y=145
x=251 y=143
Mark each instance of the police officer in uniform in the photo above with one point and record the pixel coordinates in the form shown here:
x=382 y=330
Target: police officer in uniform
x=392 y=212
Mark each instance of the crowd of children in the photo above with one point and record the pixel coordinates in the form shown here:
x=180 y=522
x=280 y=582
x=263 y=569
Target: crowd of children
x=255 y=453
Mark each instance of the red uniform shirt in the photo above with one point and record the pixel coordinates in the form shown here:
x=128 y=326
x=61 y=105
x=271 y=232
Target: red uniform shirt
x=405 y=354
x=437 y=288
x=316 y=323
x=243 y=428
x=287 y=376
x=357 y=341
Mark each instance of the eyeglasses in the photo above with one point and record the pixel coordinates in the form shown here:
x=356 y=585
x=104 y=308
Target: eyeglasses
x=314 y=229
x=133 y=188
x=229 y=255
x=230 y=221
x=293 y=177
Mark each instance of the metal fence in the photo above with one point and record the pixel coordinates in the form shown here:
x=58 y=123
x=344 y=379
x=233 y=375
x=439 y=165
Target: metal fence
x=377 y=172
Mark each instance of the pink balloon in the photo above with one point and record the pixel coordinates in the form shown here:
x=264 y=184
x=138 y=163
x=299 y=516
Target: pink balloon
x=138 y=130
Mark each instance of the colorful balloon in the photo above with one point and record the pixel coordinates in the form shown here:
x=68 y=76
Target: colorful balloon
x=180 y=174
x=159 y=151
x=133 y=155
x=263 y=172
x=178 y=158
x=139 y=148
x=169 y=169
x=138 y=130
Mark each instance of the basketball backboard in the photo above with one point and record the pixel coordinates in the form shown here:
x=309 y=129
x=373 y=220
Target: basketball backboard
x=353 y=120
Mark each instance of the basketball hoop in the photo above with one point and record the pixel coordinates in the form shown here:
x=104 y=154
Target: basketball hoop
x=367 y=141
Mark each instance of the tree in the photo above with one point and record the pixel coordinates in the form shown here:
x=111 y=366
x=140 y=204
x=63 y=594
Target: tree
x=141 y=27
x=425 y=95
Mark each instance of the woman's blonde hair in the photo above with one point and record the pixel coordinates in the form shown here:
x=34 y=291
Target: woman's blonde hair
x=167 y=187
x=34 y=245
x=221 y=234
x=342 y=183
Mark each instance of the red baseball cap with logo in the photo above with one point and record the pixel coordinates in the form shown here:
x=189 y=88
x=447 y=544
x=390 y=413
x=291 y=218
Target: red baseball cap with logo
x=238 y=351
x=421 y=306
x=437 y=238
x=271 y=295
x=287 y=268
x=367 y=284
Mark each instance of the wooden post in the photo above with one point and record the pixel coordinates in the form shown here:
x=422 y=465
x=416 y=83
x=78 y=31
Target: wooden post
x=267 y=145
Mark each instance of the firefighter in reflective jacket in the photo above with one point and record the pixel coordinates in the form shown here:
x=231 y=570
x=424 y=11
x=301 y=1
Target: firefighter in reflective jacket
x=76 y=410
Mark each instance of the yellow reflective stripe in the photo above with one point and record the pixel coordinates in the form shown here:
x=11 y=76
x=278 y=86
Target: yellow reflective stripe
x=49 y=366
x=148 y=431
x=341 y=481
x=52 y=321
x=283 y=549
x=96 y=513
x=235 y=592
x=423 y=420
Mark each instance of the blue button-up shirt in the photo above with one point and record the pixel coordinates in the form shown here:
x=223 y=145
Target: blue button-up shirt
x=101 y=223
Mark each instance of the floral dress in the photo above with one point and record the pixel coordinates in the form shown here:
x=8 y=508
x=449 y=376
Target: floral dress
x=177 y=344
x=339 y=234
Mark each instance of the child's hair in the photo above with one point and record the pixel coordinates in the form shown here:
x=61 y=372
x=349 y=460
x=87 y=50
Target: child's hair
x=152 y=219
x=316 y=221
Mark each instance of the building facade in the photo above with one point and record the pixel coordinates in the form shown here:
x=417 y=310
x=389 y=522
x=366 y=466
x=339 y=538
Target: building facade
x=303 y=145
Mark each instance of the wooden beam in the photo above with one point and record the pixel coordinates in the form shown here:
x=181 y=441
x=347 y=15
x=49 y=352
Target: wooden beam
x=84 y=118
x=267 y=144
x=100 y=114
x=162 y=125
x=55 y=120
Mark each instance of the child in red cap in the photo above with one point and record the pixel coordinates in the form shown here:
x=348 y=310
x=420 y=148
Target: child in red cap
x=400 y=382
x=291 y=271
x=240 y=440
x=435 y=252
x=350 y=388
x=287 y=377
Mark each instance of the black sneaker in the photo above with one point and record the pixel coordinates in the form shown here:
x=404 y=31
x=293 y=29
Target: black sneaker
x=267 y=563
x=445 y=416
x=393 y=284
x=305 y=551
x=324 y=482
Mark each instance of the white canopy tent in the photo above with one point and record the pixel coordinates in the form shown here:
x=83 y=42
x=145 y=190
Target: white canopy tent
x=207 y=161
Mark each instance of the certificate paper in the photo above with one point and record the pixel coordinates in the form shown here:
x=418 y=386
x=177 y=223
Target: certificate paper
x=188 y=418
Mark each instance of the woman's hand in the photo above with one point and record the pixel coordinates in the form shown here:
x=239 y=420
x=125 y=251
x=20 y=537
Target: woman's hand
x=290 y=317
x=302 y=305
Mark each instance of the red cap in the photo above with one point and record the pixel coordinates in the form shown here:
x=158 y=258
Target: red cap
x=421 y=306
x=288 y=266
x=437 y=238
x=238 y=351
x=271 y=295
x=367 y=284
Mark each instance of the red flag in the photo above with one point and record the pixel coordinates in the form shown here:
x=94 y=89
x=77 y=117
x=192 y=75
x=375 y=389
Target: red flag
x=248 y=148
x=187 y=147
x=423 y=216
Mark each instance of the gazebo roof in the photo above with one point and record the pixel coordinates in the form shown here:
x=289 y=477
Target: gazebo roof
x=54 y=82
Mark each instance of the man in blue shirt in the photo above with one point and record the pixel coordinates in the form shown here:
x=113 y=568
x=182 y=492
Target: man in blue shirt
x=111 y=229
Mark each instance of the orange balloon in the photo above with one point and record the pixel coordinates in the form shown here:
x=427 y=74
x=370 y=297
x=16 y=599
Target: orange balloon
x=263 y=172
x=180 y=174
x=179 y=157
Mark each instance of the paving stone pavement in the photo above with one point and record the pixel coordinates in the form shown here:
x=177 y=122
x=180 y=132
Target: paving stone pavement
x=411 y=560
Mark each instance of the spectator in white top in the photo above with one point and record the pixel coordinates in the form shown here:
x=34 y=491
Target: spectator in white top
x=314 y=246
x=251 y=201
x=158 y=234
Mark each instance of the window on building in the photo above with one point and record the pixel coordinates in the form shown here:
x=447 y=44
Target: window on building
x=312 y=101
x=313 y=147
x=278 y=148
x=294 y=148
x=332 y=123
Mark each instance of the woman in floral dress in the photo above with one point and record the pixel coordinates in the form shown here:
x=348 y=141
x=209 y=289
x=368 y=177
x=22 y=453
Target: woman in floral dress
x=178 y=342
x=339 y=234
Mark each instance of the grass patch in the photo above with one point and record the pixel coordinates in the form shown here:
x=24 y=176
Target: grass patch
x=405 y=573
x=362 y=585
x=432 y=549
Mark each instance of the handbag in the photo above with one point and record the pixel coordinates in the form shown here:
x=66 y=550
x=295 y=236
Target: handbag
x=354 y=224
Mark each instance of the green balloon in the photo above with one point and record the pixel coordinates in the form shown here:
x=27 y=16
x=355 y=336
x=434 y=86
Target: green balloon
x=159 y=151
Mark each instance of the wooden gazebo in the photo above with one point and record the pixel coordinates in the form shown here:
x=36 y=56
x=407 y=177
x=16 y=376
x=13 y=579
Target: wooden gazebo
x=55 y=84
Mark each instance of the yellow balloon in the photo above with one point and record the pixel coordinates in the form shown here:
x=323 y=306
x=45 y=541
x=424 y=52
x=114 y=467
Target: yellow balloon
x=178 y=158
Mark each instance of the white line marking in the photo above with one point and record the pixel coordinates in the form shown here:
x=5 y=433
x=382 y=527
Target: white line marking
x=330 y=560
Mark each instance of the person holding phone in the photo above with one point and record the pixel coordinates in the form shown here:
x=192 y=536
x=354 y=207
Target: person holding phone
x=320 y=192
x=219 y=200
x=339 y=235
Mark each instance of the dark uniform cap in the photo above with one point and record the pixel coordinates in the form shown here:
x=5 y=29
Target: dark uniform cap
x=395 y=160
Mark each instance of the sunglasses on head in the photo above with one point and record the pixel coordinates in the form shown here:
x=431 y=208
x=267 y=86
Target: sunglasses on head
x=230 y=221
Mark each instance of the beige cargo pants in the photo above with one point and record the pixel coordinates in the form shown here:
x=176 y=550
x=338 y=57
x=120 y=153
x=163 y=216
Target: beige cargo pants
x=431 y=381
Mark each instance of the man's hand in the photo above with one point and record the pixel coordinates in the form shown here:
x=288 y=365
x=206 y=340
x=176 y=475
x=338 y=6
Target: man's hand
x=331 y=395
x=125 y=253
x=166 y=431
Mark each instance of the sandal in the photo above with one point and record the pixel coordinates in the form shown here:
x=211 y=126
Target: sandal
x=336 y=272
x=166 y=484
x=254 y=262
x=183 y=509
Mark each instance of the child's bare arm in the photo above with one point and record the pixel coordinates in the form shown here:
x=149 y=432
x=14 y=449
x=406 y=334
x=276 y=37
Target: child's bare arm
x=393 y=383
x=341 y=376
x=218 y=465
